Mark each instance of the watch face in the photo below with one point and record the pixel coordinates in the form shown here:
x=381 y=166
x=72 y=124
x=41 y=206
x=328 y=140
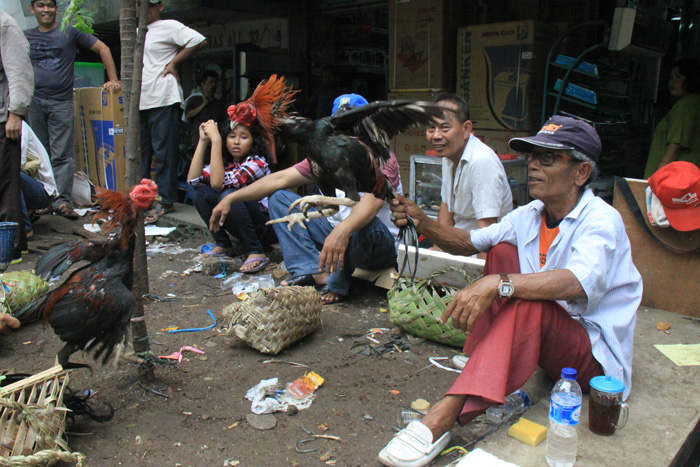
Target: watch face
x=505 y=289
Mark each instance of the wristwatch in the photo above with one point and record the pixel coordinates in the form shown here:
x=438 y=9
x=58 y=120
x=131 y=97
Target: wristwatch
x=505 y=287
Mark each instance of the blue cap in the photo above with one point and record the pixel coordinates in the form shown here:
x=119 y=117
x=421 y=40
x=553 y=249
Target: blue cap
x=607 y=384
x=563 y=133
x=568 y=373
x=351 y=100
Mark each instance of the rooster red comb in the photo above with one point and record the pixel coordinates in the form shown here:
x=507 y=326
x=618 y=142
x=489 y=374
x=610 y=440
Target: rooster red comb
x=143 y=194
x=267 y=106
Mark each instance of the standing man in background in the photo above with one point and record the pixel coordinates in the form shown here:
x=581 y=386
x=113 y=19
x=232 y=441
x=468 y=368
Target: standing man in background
x=16 y=89
x=475 y=191
x=168 y=43
x=51 y=114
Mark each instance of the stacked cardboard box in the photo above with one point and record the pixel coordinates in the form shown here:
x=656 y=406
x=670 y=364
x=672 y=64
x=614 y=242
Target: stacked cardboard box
x=422 y=42
x=100 y=140
x=500 y=70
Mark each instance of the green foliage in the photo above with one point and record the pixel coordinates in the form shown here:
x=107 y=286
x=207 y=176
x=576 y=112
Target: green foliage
x=78 y=17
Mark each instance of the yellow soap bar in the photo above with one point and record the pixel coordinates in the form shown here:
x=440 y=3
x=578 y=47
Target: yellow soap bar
x=528 y=432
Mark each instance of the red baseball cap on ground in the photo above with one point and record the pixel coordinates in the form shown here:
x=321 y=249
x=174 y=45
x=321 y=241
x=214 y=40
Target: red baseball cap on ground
x=677 y=185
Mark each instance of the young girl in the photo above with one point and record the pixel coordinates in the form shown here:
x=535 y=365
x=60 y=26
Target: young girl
x=245 y=221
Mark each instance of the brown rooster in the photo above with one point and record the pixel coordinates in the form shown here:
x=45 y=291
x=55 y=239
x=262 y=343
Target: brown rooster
x=90 y=310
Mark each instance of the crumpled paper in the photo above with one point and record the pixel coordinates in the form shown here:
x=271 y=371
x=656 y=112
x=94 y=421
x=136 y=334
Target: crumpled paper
x=267 y=398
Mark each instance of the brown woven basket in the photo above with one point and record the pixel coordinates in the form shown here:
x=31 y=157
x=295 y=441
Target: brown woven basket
x=274 y=318
x=417 y=307
x=33 y=421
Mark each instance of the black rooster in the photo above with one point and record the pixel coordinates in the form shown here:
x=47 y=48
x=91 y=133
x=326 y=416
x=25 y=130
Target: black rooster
x=90 y=310
x=347 y=150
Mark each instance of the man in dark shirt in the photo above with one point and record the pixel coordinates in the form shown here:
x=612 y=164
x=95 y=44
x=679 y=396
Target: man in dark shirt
x=202 y=105
x=52 y=52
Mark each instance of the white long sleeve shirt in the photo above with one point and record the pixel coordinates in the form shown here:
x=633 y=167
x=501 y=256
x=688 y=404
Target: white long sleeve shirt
x=593 y=245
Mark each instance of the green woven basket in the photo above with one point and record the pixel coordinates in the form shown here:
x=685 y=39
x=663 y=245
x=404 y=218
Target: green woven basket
x=417 y=308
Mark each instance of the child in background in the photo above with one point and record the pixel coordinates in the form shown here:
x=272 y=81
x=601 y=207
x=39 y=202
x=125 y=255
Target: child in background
x=244 y=163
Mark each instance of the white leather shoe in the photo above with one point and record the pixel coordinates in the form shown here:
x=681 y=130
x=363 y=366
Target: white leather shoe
x=413 y=447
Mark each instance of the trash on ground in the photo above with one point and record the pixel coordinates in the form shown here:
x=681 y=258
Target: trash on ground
x=155 y=248
x=420 y=405
x=433 y=361
x=154 y=230
x=178 y=355
x=408 y=415
x=261 y=421
x=266 y=396
x=197 y=329
x=312 y=437
x=381 y=342
x=215 y=265
x=661 y=326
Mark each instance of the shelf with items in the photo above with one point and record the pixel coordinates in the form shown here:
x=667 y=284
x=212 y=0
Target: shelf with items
x=426 y=183
x=595 y=86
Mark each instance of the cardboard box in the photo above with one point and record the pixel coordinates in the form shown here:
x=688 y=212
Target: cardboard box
x=421 y=42
x=499 y=72
x=102 y=118
x=667 y=274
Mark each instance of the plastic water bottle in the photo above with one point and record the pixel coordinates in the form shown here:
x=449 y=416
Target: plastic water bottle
x=564 y=415
x=516 y=404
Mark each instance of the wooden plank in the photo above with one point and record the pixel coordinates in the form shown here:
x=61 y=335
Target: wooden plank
x=669 y=277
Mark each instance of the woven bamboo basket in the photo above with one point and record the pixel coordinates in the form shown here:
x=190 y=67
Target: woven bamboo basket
x=274 y=318
x=33 y=421
x=19 y=289
x=417 y=307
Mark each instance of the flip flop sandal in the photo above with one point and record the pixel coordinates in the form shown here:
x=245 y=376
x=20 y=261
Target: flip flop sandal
x=301 y=281
x=325 y=290
x=263 y=263
x=66 y=211
x=156 y=213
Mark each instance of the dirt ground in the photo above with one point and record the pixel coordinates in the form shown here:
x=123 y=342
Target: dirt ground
x=194 y=414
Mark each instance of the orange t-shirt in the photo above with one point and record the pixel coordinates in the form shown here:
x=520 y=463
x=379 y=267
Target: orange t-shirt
x=547 y=236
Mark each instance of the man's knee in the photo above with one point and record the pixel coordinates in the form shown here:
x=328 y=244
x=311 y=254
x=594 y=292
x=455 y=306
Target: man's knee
x=280 y=200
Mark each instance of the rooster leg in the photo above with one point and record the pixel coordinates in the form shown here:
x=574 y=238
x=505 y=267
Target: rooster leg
x=308 y=202
x=63 y=356
x=300 y=218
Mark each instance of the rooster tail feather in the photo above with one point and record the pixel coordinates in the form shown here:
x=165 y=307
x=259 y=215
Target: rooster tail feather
x=79 y=404
x=55 y=261
x=116 y=209
x=32 y=312
x=271 y=99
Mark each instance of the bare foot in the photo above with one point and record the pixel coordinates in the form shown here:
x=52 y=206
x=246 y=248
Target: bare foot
x=442 y=416
x=331 y=297
x=8 y=323
x=219 y=251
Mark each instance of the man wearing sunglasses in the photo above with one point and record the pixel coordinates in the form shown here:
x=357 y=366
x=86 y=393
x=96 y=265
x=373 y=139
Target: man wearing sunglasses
x=559 y=289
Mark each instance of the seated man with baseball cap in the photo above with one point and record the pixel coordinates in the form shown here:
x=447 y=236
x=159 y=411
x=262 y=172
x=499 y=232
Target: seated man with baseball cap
x=559 y=289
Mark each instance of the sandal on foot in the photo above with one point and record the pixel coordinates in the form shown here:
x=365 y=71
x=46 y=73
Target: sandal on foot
x=158 y=211
x=222 y=253
x=66 y=211
x=263 y=263
x=413 y=447
x=300 y=281
x=326 y=290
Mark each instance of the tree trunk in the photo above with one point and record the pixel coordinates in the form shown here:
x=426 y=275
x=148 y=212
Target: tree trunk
x=132 y=59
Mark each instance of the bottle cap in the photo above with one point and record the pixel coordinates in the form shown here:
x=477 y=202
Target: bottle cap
x=568 y=373
x=607 y=384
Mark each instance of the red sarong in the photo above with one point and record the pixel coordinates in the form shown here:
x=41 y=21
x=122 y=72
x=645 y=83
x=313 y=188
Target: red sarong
x=512 y=338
